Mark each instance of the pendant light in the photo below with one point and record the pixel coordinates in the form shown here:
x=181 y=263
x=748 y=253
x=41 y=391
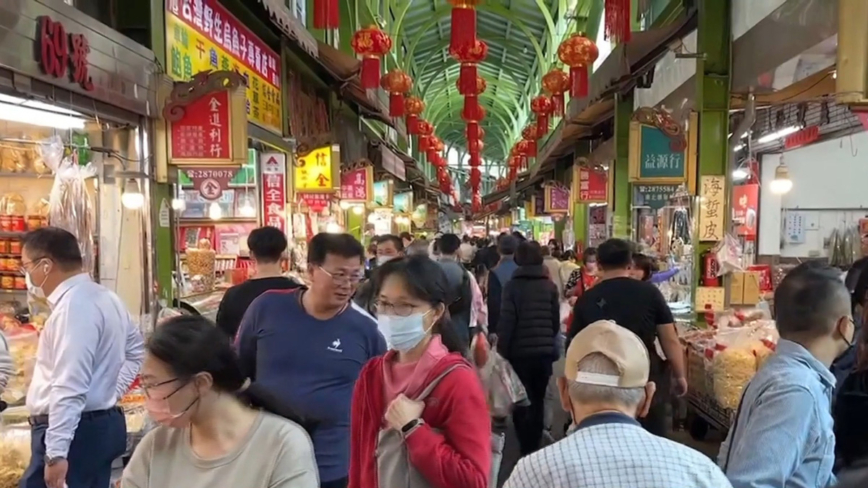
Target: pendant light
x=782 y=183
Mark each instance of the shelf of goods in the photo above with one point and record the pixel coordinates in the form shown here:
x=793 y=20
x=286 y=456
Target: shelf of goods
x=720 y=363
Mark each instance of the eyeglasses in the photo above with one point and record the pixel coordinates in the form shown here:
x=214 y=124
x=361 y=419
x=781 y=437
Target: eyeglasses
x=27 y=267
x=398 y=310
x=341 y=277
x=147 y=388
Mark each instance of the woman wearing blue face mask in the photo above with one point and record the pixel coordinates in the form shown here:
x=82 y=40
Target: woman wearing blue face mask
x=419 y=412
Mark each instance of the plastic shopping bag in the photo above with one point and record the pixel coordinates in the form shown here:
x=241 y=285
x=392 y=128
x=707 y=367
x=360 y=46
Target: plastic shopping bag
x=504 y=390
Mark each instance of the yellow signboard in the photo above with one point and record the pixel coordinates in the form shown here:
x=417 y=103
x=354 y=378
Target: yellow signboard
x=210 y=38
x=316 y=171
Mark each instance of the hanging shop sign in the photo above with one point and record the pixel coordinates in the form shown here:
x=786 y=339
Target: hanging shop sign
x=392 y=163
x=357 y=185
x=316 y=202
x=557 y=199
x=660 y=150
x=273 y=167
x=211 y=182
x=203 y=128
x=593 y=185
x=383 y=194
x=201 y=35
x=712 y=205
x=654 y=196
x=745 y=203
x=802 y=138
x=317 y=171
x=402 y=203
x=63 y=55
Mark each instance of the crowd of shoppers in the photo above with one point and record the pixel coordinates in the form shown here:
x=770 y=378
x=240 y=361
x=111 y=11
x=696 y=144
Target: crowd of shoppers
x=347 y=381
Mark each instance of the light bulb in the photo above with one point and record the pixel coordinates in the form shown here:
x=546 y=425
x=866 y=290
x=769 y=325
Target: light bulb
x=333 y=228
x=179 y=204
x=247 y=209
x=345 y=204
x=132 y=197
x=215 y=212
x=782 y=182
x=739 y=174
x=358 y=210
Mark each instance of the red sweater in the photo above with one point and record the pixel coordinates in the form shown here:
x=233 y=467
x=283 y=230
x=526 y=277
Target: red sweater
x=458 y=456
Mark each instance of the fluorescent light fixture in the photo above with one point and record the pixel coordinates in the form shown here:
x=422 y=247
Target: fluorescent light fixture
x=739 y=174
x=782 y=182
x=738 y=148
x=132 y=198
x=14 y=109
x=778 y=134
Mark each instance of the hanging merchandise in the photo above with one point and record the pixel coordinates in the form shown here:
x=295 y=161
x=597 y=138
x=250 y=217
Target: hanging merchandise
x=326 y=14
x=542 y=106
x=618 y=19
x=555 y=83
x=71 y=206
x=371 y=43
x=579 y=53
x=469 y=54
x=396 y=83
x=413 y=107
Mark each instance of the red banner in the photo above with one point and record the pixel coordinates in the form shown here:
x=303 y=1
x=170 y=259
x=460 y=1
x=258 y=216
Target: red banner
x=204 y=133
x=593 y=185
x=316 y=202
x=356 y=185
x=273 y=166
x=211 y=182
x=802 y=137
x=745 y=201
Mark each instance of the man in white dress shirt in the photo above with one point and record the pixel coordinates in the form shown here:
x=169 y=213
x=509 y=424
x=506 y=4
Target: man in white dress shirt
x=89 y=353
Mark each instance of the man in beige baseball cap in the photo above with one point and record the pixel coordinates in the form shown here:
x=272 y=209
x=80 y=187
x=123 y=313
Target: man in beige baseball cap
x=605 y=388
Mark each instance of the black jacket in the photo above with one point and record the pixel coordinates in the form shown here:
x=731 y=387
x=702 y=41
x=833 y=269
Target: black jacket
x=529 y=315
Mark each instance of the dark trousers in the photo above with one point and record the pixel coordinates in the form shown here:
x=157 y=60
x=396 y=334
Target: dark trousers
x=529 y=421
x=101 y=437
x=341 y=483
x=657 y=420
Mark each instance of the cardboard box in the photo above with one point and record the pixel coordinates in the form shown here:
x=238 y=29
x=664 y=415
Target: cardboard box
x=752 y=293
x=736 y=288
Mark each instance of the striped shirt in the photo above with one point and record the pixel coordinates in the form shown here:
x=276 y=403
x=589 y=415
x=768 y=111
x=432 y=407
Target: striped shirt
x=7 y=367
x=611 y=450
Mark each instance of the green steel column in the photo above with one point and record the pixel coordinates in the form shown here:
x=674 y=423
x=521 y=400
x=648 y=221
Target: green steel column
x=712 y=95
x=622 y=198
x=580 y=223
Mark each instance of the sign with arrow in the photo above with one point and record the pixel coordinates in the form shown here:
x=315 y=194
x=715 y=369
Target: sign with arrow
x=315 y=171
x=211 y=182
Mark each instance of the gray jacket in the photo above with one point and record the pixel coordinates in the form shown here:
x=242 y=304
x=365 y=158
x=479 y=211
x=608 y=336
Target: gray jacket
x=7 y=368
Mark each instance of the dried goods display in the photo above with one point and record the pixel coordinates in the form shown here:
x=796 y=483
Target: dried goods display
x=14 y=458
x=72 y=207
x=22 y=347
x=201 y=266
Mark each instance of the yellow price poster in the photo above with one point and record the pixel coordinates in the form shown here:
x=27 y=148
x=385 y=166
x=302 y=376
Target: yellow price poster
x=315 y=171
x=202 y=35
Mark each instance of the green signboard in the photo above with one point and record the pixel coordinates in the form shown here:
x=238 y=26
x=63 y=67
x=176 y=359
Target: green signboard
x=654 y=196
x=658 y=159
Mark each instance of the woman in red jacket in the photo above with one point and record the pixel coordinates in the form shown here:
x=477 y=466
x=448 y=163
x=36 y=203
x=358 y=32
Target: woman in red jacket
x=419 y=416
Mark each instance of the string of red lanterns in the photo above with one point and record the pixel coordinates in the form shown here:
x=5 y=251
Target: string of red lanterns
x=371 y=44
x=617 y=28
x=579 y=53
x=396 y=83
x=326 y=14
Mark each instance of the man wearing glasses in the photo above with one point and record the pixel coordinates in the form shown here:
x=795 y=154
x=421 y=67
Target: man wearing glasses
x=89 y=353
x=308 y=346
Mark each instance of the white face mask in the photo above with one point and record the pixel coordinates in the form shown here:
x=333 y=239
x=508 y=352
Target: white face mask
x=33 y=288
x=405 y=333
x=381 y=260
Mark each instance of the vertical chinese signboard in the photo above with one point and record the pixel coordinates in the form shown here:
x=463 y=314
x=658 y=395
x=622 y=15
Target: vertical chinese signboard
x=316 y=171
x=357 y=185
x=202 y=35
x=273 y=166
x=204 y=132
x=593 y=185
x=712 y=205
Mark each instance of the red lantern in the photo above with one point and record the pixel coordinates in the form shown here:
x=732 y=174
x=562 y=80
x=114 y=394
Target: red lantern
x=463 y=22
x=473 y=113
x=326 y=14
x=542 y=107
x=475 y=177
x=371 y=44
x=530 y=135
x=396 y=83
x=434 y=146
x=556 y=83
x=480 y=133
x=413 y=107
x=578 y=52
x=474 y=147
x=476 y=202
x=469 y=54
x=618 y=28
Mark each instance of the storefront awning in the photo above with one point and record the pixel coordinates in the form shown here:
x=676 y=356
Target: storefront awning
x=283 y=18
x=520 y=186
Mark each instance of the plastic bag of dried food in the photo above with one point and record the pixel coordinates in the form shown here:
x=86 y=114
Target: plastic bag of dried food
x=14 y=458
x=71 y=207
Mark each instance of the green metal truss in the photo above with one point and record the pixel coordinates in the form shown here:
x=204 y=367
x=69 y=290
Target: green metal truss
x=522 y=37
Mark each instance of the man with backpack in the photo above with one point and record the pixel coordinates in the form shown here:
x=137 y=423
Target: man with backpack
x=461 y=282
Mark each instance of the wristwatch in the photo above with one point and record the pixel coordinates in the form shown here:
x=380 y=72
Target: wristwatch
x=411 y=426
x=52 y=461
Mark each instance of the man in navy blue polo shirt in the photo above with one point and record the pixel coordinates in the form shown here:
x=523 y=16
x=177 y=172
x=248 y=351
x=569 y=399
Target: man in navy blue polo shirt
x=308 y=346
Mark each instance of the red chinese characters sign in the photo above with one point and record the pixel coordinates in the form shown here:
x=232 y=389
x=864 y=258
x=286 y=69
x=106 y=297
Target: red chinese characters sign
x=204 y=133
x=211 y=182
x=316 y=202
x=61 y=53
x=745 y=201
x=274 y=190
x=356 y=185
x=593 y=185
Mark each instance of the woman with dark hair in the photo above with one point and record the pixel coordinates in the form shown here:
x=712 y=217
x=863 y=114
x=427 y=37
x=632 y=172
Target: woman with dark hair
x=215 y=428
x=419 y=416
x=527 y=332
x=583 y=278
x=645 y=269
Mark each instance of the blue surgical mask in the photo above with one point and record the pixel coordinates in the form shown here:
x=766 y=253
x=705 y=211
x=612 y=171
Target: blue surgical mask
x=404 y=333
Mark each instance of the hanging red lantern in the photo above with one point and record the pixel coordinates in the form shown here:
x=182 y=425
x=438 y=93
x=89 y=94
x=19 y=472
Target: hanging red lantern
x=475 y=147
x=476 y=202
x=371 y=44
x=469 y=54
x=424 y=129
x=530 y=135
x=463 y=22
x=542 y=107
x=618 y=29
x=579 y=53
x=432 y=148
x=556 y=83
x=473 y=113
x=326 y=14
x=475 y=177
x=413 y=107
x=480 y=133
x=396 y=83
